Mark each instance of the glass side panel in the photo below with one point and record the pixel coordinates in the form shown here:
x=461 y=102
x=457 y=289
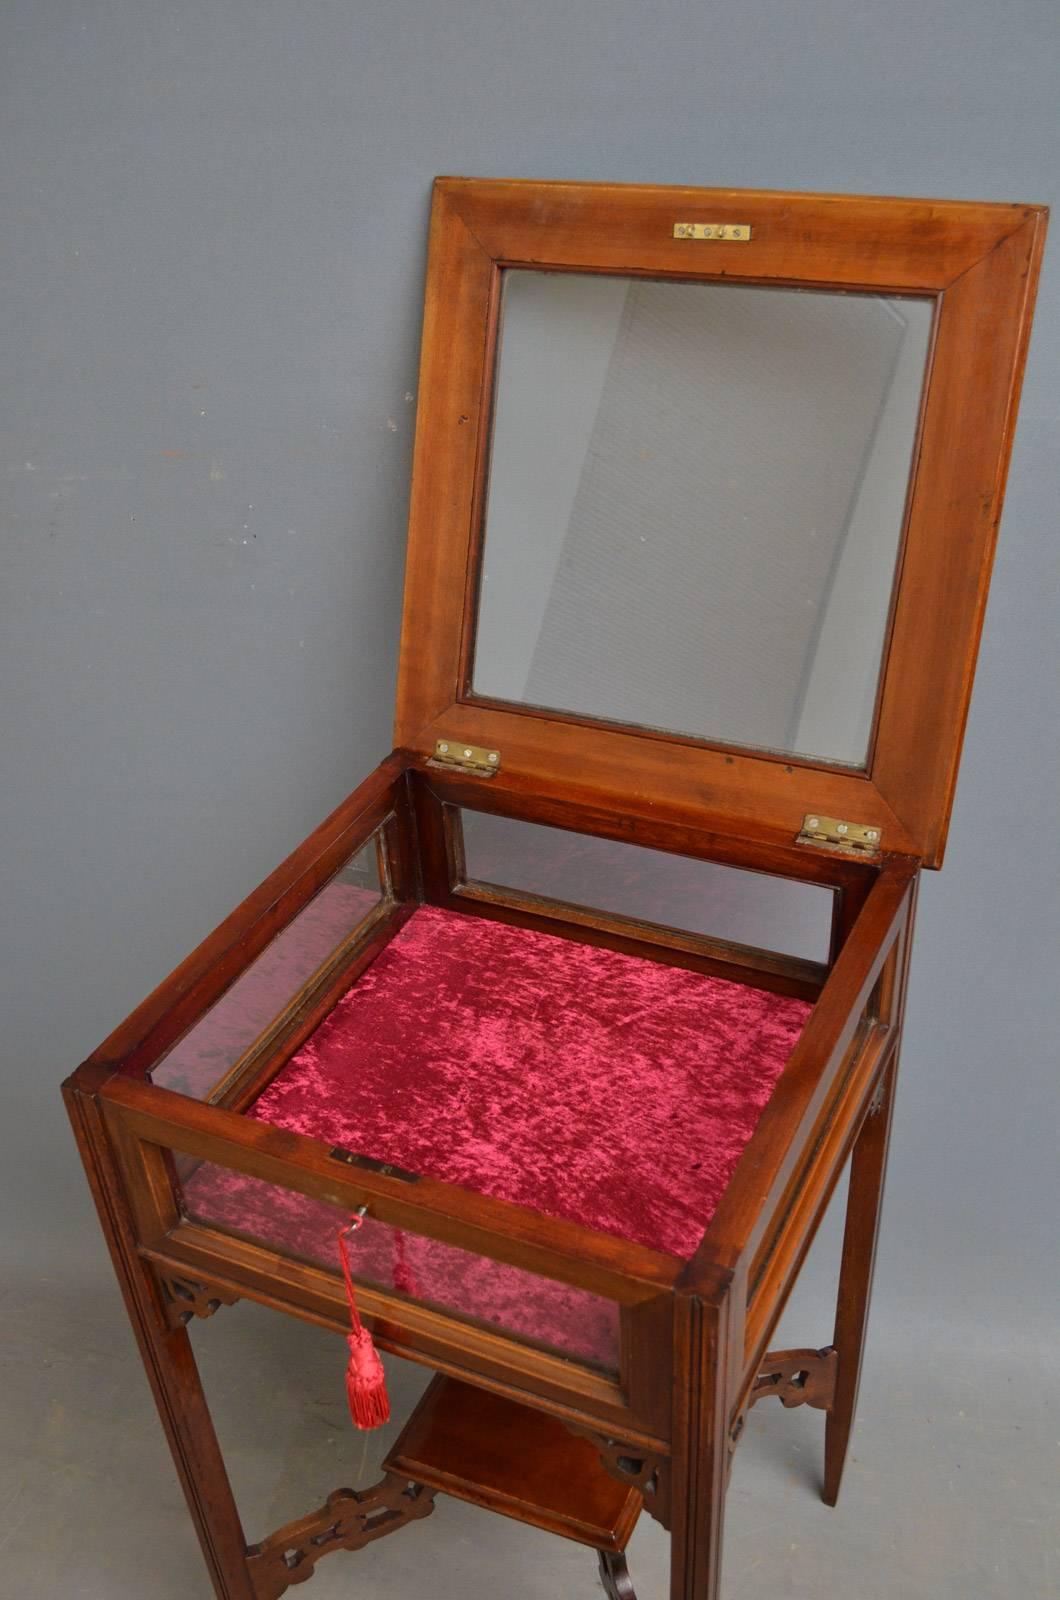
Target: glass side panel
x=695 y=504
x=536 y=1310
x=247 y=1012
x=720 y=902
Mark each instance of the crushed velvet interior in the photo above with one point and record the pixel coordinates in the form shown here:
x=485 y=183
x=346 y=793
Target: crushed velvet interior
x=598 y=1087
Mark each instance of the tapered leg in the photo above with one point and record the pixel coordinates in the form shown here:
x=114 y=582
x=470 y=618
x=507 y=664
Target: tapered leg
x=868 y=1165
x=700 y=1446
x=171 y=1369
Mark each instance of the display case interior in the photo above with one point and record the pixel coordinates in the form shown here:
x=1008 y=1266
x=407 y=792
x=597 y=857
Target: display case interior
x=601 y=1066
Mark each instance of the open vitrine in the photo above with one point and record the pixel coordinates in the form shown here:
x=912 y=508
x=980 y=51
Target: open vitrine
x=582 y=1001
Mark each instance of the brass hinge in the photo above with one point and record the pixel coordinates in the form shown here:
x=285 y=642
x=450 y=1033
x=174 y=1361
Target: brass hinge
x=855 y=838
x=453 y=755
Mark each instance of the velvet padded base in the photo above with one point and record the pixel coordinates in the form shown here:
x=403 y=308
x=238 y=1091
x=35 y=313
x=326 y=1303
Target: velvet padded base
x=598 y=1087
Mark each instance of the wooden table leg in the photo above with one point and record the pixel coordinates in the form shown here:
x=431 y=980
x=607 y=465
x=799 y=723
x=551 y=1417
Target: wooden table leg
x=700 y=1462
x=614 y=1575
x=868 y=1164
x=171 y=1368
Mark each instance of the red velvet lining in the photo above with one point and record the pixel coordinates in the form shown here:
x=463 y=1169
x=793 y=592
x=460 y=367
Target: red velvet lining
x=608 y=1090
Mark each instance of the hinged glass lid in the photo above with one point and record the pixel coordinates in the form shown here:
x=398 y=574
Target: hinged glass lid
x=696 y=497
x=702 y=519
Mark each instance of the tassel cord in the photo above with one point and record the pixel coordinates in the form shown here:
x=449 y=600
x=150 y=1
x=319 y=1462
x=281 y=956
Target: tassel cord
x=365 y=1378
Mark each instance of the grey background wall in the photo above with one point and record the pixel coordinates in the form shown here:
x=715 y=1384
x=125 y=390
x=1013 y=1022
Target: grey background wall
x=214 y=226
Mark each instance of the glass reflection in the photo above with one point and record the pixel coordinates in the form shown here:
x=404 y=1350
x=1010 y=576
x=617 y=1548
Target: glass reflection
x=248 y=1012
x=695 y=505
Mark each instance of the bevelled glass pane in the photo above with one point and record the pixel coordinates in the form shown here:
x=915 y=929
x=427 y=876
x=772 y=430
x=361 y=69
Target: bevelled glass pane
x=248 y=1011
x=539 y=1310
x=695 y=504
x=626 y=880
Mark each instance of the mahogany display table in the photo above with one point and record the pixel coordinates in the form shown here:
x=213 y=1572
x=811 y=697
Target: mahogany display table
x=568 y=1020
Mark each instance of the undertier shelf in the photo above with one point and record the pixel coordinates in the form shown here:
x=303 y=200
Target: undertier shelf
x=506 y=1457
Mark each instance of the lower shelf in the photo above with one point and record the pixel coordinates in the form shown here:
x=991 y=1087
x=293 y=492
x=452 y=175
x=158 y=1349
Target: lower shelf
x=509 y=1458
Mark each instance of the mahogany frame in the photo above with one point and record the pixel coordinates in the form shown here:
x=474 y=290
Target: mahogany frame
x=695 y=1335
x=978 y=262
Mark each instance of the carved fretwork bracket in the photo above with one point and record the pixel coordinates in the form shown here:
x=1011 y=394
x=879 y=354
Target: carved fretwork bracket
x=186 y=1299
x=348 y=1520
x=629 y=1464
x=798 y=1378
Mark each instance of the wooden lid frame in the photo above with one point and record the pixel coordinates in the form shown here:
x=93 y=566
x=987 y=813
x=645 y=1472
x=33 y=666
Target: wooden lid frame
x=979 y=262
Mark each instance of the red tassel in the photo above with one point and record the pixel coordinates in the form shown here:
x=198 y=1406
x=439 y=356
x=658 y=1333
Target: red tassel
x=366 y=1382
x=365 y=1378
